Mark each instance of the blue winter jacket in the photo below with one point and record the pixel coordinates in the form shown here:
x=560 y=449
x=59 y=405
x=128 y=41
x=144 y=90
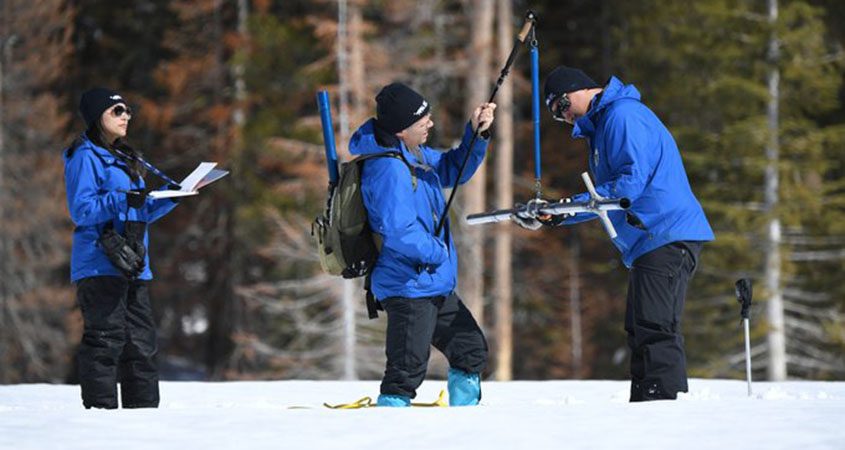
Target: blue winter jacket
x=413 y=262
x=633 y=155
x=93 y=178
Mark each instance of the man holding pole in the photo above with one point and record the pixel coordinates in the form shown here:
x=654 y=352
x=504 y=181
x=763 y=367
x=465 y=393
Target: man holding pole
x=633 y=156
x=415 y=276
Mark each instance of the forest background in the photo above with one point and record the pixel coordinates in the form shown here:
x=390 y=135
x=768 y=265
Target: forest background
x=752 y=91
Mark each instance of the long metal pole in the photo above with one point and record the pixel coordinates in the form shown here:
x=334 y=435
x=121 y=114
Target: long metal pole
x=535 y=110
x=744 y=295
x=530 y=18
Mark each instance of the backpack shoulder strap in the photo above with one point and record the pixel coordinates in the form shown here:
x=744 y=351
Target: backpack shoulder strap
x=373 y=305
x=397 y=155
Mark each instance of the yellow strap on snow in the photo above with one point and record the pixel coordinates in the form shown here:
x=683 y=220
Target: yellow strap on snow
x=440 y=402
x=365 y=402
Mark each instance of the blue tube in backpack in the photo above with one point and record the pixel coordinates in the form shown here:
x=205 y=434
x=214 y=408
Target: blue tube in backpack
x=328 y=135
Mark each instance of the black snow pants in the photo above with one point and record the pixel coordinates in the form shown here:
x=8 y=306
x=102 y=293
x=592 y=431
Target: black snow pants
x=118 y=343
x=414 y=325
x=657 y=286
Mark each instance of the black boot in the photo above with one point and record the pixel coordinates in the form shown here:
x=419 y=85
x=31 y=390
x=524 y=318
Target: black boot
x=648 y=391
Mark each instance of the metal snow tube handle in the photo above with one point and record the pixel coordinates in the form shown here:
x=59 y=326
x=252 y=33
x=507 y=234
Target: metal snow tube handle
x=328 y=135
x=605 y=220
x=597 y=205
x=592 y=207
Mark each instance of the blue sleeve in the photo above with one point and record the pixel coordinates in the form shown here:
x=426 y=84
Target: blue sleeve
x=389 y=197
x=87 y=203
x=629 y=156
x=450 y=163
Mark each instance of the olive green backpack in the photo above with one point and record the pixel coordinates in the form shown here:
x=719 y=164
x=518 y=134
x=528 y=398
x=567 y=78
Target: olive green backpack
x=346 y=245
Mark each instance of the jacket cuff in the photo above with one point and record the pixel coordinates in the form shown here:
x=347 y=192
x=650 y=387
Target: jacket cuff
x=120 y=202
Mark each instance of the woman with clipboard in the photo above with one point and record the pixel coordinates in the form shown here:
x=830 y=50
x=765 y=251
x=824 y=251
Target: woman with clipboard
x=109 y=203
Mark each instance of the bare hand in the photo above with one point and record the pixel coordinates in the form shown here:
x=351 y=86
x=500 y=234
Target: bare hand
x=483 y=116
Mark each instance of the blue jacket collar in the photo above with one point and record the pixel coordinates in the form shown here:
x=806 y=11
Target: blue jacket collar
x=363 y=142
x=613 y=90
x=101 y=153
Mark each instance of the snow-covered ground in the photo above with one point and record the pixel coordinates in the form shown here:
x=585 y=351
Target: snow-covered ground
x=716 y=414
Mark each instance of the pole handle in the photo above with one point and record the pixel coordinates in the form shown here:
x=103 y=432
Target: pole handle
x=530 y=20
x=744 y=293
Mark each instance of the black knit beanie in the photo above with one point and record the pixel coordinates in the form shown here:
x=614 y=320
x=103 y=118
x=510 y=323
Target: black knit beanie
x=564 y=80
x=398 y=107
x=95 y=101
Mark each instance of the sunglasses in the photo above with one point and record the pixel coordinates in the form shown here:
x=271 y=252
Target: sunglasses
x=560 y=108
x=120 y=109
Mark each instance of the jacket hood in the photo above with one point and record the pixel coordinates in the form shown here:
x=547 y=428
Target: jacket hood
x=614 y=90
x=363 y=141
x=87 y=143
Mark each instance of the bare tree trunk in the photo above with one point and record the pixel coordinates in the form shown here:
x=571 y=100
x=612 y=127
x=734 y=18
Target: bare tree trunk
x=776 y=335
x=3 y=40
x=357 y=79
x=606 y=35
x=478 y=82
x=575 y=303
x=239 y=121
x=349 y=286
x=33 y=300
x=504 y=199
x=343 y=72
x=224 y=272
x=4 y=253
x=239 y=116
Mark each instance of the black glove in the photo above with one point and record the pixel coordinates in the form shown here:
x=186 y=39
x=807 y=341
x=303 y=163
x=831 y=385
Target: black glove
x=135 y=232
x=121 y=254
x=431 y=268
x=173 y=187
x=526 y=222
x=557 y=219
x=137 y=198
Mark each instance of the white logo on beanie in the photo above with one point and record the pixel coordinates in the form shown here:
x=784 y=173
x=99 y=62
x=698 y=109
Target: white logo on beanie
x=421 y=108
x=116 y=97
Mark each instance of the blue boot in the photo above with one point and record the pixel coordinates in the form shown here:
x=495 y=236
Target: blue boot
x=393 y=400
x=464 y=388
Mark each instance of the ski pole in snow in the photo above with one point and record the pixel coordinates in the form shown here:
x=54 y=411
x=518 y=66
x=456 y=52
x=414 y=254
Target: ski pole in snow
x=743 y=296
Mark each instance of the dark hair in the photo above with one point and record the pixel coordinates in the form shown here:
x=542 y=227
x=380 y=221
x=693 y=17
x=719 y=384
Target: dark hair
x=119 y=149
